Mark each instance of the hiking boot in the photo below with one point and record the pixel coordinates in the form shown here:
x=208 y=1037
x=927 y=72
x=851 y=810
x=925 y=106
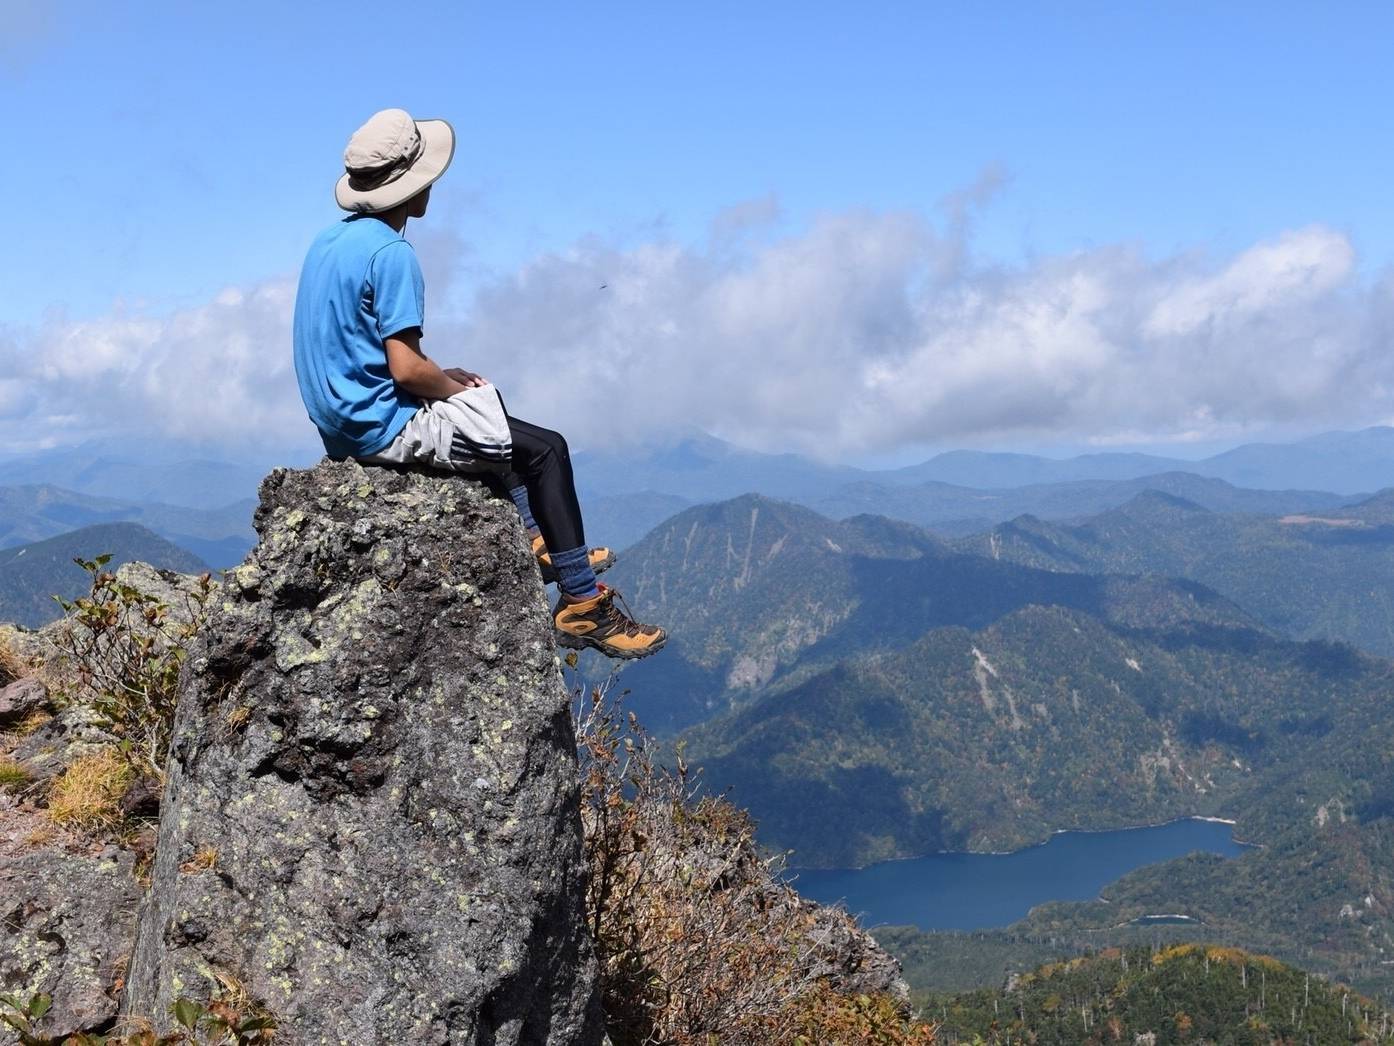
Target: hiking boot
x=602 y=559
x=600 y=624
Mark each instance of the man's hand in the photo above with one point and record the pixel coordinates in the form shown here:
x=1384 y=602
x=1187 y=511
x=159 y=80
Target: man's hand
x=467 y=378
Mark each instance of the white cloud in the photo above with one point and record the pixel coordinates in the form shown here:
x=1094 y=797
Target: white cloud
x=854 y=337
x=218 y=373
x=1295 y=269
x=864 y=333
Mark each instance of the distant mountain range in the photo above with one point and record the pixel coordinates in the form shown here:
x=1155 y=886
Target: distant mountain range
x=965 y=492
x=627 y=493
x=703 y=468
x=149 y=472
x=1344 y=462
x=30 y=575
x=1319 y=574
x=952 y=510
x=219 y=536
x=869 y=690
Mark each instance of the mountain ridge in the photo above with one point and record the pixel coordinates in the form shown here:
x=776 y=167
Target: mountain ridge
x=753 y=587
x=33 y=512
x=30 y=575
x=1311 y=576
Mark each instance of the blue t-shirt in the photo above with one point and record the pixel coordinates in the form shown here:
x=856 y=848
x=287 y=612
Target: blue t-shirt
x=360 y=284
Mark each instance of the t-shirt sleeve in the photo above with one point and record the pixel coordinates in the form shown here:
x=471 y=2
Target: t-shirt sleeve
x=399 y=292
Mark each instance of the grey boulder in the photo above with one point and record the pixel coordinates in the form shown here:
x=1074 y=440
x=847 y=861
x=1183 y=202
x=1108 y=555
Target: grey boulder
x=68 y=924
x=21 y=699
x=371 y=818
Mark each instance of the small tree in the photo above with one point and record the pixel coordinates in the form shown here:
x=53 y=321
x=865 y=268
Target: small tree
x=125 y=651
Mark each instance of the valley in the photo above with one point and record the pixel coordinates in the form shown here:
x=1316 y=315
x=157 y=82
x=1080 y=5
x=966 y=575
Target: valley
x=1140 y=646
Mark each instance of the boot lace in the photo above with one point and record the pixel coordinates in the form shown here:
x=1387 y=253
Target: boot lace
x=632 y=628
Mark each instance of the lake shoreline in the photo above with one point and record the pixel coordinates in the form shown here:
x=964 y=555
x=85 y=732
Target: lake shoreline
x=962 y=890
x=795 y=870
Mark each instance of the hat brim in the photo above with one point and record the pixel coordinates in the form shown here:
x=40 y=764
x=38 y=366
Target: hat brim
x=438 y=148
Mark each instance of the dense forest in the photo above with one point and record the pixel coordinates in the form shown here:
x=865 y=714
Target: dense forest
x=1158 y=997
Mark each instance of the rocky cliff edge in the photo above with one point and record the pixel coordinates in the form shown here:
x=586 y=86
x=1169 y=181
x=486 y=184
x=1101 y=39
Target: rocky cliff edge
x=370 y=823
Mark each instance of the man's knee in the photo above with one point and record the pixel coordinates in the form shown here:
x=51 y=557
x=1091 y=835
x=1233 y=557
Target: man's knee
x=556 y=444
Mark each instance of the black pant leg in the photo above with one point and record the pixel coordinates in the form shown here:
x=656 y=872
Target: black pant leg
x=542 y=462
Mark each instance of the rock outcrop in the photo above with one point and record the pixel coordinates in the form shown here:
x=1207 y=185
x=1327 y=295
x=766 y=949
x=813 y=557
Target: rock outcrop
x=67 y=904
x=21 y=699
x=69 y=918
x=370 y=823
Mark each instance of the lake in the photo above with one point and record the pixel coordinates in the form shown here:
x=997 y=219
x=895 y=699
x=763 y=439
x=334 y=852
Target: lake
x=964 y=891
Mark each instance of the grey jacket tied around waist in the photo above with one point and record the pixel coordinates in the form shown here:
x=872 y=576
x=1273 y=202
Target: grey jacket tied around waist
x=466 y=433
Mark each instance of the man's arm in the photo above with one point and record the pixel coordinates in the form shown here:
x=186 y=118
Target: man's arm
x=413 y=371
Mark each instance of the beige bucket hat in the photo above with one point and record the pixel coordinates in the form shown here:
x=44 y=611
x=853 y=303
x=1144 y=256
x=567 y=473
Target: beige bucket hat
x=390 y=159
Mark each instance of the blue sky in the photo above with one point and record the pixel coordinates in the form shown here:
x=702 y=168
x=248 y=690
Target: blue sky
x=171 y=152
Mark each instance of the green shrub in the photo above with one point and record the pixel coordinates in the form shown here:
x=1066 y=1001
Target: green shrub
x=13 y=776
x=125 y=650
x=228 y=1020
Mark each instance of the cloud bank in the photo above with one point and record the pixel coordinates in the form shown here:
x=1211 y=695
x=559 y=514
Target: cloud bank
x=863 y=333
x=870 y=332
x=219 y=374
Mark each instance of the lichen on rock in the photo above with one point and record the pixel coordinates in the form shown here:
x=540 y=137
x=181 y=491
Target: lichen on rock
x=371 y=818
x=69 y=917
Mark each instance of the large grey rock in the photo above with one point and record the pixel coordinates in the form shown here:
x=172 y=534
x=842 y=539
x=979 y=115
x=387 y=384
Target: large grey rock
x=67 y=923
x=371 y=813
x=21 y=699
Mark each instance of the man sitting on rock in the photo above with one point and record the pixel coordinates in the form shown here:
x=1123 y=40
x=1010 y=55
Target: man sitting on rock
x=375 y=396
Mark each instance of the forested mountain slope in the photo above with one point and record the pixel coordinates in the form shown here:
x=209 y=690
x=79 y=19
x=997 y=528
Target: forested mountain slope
x=1326 y=575
x=32 y=574
x=757 y=592
x=956 y=510
x=1162 y=996
x=1050 y=718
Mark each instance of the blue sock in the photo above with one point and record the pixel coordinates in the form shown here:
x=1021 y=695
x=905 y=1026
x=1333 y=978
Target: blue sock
x=574 y=574
x=520 y=498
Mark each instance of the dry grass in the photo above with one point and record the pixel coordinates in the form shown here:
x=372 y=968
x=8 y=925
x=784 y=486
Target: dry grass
x=13 y=776
x=205 y=859
x=698 y=940
x=87 y=796
x=41 y=836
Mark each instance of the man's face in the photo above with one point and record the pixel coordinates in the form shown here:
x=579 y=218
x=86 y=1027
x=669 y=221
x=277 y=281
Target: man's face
x=417 y=207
